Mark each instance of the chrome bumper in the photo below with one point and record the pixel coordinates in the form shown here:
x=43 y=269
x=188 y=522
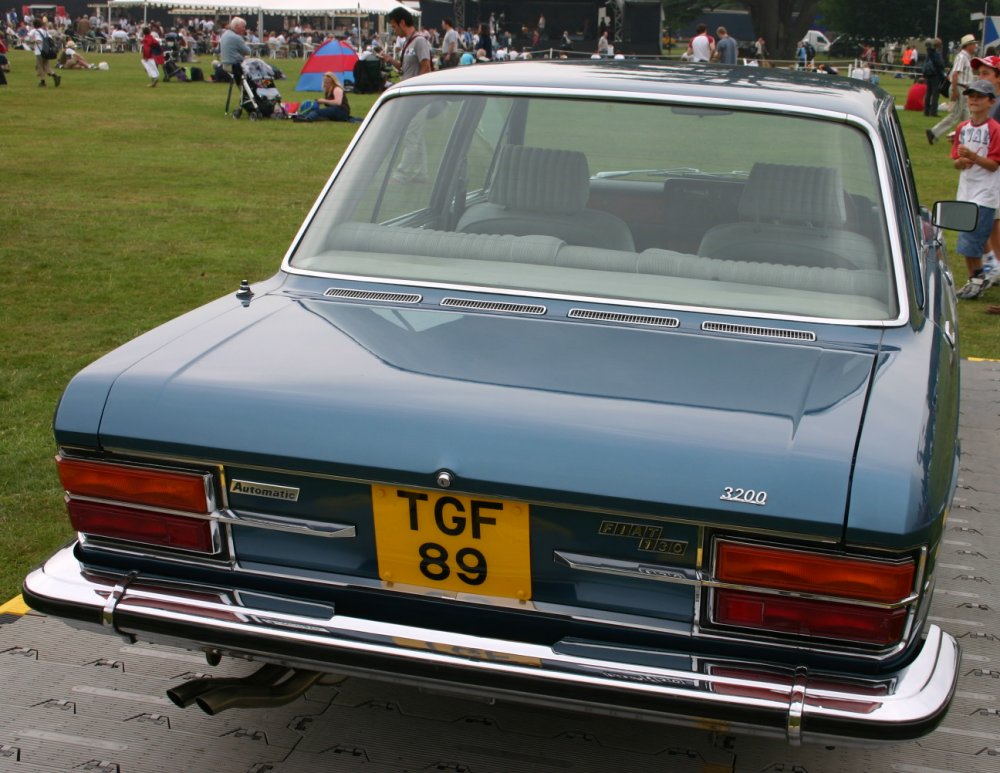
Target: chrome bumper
x=796 y=704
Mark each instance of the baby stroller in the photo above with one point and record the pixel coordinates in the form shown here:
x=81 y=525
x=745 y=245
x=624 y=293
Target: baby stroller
x=170 y=67
x=258 y=96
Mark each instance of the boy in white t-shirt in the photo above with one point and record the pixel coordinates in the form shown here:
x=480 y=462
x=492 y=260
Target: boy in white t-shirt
x=976 y=154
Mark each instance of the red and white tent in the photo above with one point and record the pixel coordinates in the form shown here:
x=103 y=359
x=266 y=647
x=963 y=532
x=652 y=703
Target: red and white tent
x=335 y=56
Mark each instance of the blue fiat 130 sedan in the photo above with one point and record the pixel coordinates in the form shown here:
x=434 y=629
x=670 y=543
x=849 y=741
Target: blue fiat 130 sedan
x=623 y=388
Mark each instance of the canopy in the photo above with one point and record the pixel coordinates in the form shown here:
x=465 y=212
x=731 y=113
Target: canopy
x=991 y=32
x=331 y=7
x=284 y=7
x=335 y=56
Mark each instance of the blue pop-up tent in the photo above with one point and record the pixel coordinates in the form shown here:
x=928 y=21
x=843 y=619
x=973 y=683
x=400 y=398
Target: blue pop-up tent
x=334 y=56
x=991 y=34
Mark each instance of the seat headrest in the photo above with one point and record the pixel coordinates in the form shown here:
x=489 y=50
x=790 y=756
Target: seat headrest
x=794 y=194
x=541 y=180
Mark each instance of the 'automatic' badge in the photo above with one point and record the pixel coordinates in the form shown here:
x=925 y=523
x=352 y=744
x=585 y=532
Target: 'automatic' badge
x=266 y=490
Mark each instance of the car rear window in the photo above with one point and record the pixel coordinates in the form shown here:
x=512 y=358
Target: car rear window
x=676 y=205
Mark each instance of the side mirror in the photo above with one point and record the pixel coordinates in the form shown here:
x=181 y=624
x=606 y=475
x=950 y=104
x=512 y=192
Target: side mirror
x=956 y=215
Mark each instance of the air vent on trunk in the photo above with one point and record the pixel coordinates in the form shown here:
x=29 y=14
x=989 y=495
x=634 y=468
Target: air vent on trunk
x=372 y=295
x=629 y=319
x=502 y=306
x=758 y=332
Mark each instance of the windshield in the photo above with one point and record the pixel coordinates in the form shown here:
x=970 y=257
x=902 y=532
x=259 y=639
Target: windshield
x=643 y=203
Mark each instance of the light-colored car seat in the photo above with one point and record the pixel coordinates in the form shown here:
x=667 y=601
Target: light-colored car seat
x=793 y=215
x=545 y=191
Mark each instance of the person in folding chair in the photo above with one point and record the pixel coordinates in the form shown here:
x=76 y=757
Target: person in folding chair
x=233 y=49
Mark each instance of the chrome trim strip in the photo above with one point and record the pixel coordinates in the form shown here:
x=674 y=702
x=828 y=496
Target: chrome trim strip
x=139 y=506
x=888 y=708
x=763 y=591
x=499 y=306
x=371 y=295
x=758 y=332
x=635 y=569
x=287 y=523
x=630 y=319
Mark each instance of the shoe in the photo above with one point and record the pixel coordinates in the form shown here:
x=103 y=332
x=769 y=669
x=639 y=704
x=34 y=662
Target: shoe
x=41 y=84
x=57 y=80
x=975 y=287
x=930 y=137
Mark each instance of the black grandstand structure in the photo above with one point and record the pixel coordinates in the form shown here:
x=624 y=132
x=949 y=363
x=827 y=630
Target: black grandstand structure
x=634 y=26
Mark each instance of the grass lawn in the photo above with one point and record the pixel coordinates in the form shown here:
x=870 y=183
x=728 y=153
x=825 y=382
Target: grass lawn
x=125 y=206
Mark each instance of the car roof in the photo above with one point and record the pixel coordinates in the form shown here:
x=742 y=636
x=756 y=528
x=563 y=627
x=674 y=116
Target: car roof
x=770 y=86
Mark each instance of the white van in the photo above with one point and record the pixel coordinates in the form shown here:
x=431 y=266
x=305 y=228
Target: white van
x=819 y=41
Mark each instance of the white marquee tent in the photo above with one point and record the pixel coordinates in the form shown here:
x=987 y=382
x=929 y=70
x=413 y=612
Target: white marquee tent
x=260 y=7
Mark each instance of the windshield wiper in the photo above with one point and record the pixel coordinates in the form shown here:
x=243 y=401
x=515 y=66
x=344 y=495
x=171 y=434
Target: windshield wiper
x=672 y=172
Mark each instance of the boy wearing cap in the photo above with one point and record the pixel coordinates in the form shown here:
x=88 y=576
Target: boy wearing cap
x=976 y=154
x=988 y=68
x=960 y=77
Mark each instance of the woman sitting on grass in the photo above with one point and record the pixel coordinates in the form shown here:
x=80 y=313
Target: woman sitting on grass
x=71 y=59
x=333 y=106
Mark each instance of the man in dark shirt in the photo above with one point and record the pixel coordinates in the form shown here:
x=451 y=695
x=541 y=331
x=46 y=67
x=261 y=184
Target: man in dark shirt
x=726 y=48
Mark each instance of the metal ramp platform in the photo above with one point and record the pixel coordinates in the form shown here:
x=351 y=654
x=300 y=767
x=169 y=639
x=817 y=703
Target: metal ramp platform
x=75 y=701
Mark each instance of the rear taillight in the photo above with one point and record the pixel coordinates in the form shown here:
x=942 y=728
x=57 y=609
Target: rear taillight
x=809 y=617
x=812 y=595
x=169 y=489
x=165 y=508
x=844 y=576
x=153 y=528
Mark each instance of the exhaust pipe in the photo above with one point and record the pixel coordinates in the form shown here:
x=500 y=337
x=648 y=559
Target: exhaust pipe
x=186 y=693
x=245 y=694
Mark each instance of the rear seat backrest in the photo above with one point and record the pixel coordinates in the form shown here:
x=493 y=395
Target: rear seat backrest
x=371 y=237
x=791 y=215
x=549 y=251
x=545 y=191
x=783 y=193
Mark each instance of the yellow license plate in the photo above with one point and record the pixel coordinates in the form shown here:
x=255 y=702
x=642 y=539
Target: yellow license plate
x=452 y=542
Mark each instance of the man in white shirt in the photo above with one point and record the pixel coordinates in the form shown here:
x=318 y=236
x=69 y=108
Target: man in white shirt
x=701 y=48
x=960 y=77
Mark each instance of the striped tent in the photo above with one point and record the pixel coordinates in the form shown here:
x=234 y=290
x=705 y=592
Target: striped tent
x=335 y=56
